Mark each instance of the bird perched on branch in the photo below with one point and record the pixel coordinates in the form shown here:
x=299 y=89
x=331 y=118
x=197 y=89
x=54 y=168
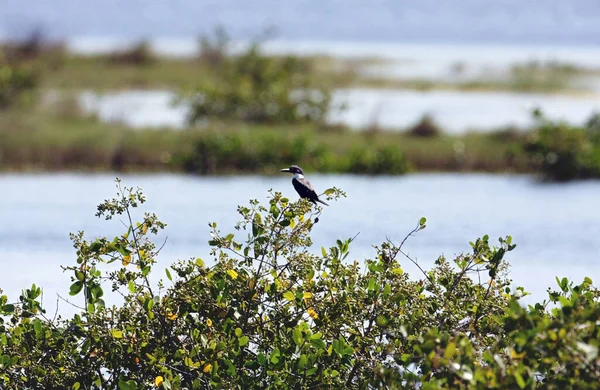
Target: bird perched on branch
x=304 y=188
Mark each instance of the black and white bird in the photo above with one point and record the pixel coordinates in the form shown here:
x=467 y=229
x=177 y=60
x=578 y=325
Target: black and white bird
x=304 y=188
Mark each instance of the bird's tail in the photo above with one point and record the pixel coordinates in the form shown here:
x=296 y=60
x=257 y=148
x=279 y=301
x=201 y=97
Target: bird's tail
x=320 y=201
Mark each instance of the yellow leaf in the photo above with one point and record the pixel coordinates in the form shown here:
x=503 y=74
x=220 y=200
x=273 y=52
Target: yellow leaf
x=158 y=381
x=126 y=260
x=209 y=322
x=307 y=295
x=172 y=316
x=207 y=368
x=313 y=314
x=292 y=223
x=144 y=229
x=232 y=273
x=515 y=355
x=117 y=334
x=301 y=218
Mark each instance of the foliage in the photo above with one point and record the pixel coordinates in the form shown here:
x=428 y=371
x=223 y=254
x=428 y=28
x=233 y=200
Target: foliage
x=564 y=152
x=56 y=139
x=268 y=151
x=253 y=87
x=426 y=127
x=270 y=313
x=139 y=54
x=17 y=81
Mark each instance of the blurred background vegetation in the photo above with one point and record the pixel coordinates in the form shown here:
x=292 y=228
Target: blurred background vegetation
x=253 y=112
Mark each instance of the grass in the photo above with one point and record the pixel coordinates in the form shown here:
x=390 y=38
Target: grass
x=51 y=140
x=107 y=72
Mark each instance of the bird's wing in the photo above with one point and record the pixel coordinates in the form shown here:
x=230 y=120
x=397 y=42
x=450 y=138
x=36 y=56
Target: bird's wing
x=304 y=188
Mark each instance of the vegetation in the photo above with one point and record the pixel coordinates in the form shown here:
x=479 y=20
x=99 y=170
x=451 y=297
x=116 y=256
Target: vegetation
x=61 y=138
x=257 y=113
x=267 y=312
x=564 y=152
x=18 y=81
x=260 y=89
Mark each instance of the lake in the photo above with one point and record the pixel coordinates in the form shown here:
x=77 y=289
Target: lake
x=555 y=226
x=457 y=112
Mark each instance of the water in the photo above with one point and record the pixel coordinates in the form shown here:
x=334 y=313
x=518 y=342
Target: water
x=556 y=226
x=455 y=21
x=457 y=112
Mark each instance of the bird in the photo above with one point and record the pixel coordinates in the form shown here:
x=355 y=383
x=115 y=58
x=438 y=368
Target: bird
x=304 y=188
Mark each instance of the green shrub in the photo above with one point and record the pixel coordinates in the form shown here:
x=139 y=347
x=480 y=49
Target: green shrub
x=426 y=127
x=139 y=54
x=564 y=152
x=253 y=87
x=269 y=313
x=18 y=80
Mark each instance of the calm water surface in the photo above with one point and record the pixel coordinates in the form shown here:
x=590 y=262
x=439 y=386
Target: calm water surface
x=556 y=227
x=458 y=112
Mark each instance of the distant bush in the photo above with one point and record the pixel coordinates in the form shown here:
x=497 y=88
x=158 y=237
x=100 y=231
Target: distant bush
x=253 y=87
x=564 y=152
x=241 y=152
x=213 y=49
x=18 y=80
x=426 y=127
x=268 y=311
x=139 y=54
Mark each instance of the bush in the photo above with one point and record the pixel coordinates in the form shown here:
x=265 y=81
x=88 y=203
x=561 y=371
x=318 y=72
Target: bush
x=426 y=127
x=18 y=80
x=253 y=87
x=269 y=313
x=139 y=54
x=268 y=151
x=564 y=152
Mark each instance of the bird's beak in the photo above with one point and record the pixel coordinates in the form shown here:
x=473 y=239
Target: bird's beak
x=285 y=170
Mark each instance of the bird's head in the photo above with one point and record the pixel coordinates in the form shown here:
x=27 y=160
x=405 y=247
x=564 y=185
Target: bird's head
x=295 y=169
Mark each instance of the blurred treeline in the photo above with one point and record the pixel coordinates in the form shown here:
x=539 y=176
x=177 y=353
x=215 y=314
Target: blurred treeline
x=251 y=113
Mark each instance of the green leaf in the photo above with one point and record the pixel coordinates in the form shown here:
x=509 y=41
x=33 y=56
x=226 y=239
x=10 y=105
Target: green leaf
x=302 y=361
x=168 y=274
x=275 y=354
x=450 y=350
x=323 y=251
x=116 y=333
x=422 y=221
x=243 y=341
x=330 y=191
x=289 y=296
x=297 y=336
x=76 y=386
x=127 y=385
x=285 y=222
x=131 y=286
x=199 y=262
x=238 y=332
x=382 y=321
x=387 y=290
x=261 y=359
x=317 y=343
x=95 y=246
x=37 y=326
x=75 y=288
x=520 y=380
x=257 y=229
